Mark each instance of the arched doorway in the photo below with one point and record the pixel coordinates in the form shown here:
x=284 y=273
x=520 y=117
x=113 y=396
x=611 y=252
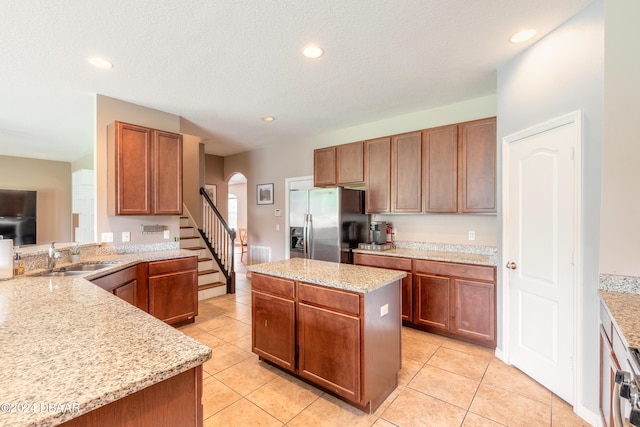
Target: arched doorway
x=237 y=213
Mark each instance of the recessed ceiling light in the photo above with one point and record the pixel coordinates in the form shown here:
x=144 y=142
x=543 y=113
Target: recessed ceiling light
x=267 y=118
x=523 y=36
x=100 y=62
x=313 y=52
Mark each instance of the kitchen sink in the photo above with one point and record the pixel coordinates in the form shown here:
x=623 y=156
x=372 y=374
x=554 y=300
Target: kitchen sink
x=76 y=269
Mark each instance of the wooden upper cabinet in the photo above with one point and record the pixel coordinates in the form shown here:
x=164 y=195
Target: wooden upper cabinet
x=377 y=161
x=350 y=163
x=406 y=167
x=167 y=173
x=324 y=166
x=132 y=169
x=145 y=175
x=440 y=169
x=477 y=166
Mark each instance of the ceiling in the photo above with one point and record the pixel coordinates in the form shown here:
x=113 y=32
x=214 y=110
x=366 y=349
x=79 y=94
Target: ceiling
x=222 y=64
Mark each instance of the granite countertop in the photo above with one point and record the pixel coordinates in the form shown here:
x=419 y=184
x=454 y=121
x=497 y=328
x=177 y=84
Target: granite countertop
x=342 y=276
x=447 y=254
x=624 y=308
x=70 y=344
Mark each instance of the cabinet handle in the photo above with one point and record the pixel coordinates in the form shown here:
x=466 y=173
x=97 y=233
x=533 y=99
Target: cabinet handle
x=512 y=265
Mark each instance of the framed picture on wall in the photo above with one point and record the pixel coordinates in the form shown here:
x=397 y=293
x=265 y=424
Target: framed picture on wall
x=264 y=194
x=211 y=190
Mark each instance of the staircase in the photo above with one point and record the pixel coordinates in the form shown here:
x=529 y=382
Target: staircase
x=211 y=282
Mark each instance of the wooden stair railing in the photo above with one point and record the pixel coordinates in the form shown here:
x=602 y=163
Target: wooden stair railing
x=219 y=238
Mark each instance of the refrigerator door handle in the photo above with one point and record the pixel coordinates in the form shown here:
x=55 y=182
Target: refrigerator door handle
x=305 y=240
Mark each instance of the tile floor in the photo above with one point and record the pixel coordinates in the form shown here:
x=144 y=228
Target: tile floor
x=443 y=382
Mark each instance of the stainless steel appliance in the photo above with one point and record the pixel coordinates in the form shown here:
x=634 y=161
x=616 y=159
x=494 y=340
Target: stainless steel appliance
x=378 y=232
x=626 y=397
x=326 y=223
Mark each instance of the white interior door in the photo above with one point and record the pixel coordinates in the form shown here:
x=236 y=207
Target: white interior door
x=541 y=228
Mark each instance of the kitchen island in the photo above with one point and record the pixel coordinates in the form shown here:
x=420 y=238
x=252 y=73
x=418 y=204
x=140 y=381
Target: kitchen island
x=336 y=326
x=74 y=354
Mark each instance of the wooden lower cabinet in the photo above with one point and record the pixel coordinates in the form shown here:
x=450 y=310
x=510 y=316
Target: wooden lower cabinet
x=341 y=342
x=273 y=320
x=432 y=303
x=123 y=284
x=176 y=401
x=173 y=289
x=127 y=292
x=393 y=263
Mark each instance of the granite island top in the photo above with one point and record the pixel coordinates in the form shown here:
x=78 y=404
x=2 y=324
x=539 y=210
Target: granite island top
x=69 y=347
x=335 y=275
x=439 y=252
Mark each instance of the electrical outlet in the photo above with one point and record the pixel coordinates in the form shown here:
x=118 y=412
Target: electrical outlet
x=107 y=237
x=277 y=212
x=384 y=310
x=472 y=235
x=126 y=236
x=277 y=227
x=167 y=234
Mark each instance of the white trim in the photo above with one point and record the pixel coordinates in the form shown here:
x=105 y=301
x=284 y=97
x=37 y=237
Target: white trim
x=576 y=118
x=300 y=182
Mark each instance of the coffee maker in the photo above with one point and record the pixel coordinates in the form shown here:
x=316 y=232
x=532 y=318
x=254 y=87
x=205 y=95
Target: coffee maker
x=378 y=231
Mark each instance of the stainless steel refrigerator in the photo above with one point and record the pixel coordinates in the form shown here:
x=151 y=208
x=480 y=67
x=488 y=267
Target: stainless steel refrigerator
x=326 y=223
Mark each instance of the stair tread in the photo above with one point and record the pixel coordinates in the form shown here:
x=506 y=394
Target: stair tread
x=209 y=271
x=204 y=259
x=189 y=237
x=211 y=285
x=194 y=248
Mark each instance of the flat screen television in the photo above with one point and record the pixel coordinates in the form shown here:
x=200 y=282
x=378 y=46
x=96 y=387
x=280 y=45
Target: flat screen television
x=18 y=216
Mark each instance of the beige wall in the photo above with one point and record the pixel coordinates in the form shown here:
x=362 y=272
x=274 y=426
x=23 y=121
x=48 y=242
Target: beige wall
x=192 y=175
x=214 y=174
x=620 y=213
x=52 y=181
x=291 y=159
x=109 y=110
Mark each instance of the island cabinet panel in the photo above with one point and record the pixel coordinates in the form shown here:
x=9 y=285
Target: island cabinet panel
x=273 y=320
x=173 y=289
x=144 y=171
x=123 y=284
x=478 y=166
x=377 y=162
x=327 y=335
x=324 y=167
x=457 y=300
x=406 y=173
x=350 y=163
x=176 y=401
x=440 y=169
x=393 y=263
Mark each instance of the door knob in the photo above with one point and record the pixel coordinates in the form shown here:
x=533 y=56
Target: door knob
x=512 y=265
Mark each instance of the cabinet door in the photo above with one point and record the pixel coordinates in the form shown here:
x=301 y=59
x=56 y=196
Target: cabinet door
x=478 y=166
x=378 y=175
x=440 y=169
x=133 y=169
x=350 y=163
x=174 y=297
x=406 y=177
x=432 y=303
x=127 y=292
x=407 y=300
x=324 y=166
x=474 y=313
x=167 y=173
x=325 y=335
x=273 y=329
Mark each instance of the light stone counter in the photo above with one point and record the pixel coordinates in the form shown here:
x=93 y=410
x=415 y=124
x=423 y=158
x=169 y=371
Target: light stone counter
x=342 y=276
x=465 y=254
x=624 y=308
x=69 y=347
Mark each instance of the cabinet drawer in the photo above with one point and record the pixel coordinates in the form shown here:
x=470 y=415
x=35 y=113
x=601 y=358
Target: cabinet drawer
x=273 y=285
x=172 y=265
x=330 y=298
x=456 y=270
x=382 y=261
x=114 y=280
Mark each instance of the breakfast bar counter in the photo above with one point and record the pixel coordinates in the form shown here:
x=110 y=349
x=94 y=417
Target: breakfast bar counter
x=70 y=348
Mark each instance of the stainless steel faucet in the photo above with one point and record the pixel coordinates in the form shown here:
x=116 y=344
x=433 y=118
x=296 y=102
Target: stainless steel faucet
x=53 y=256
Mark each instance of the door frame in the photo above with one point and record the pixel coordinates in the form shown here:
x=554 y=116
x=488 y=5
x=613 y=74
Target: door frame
x=574 y=117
